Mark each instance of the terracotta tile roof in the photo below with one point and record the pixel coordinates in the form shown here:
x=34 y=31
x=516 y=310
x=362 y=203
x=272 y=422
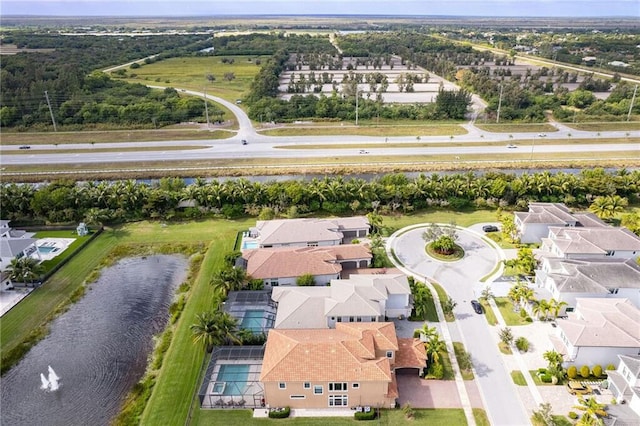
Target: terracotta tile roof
x=328 y=354
x=392 y=390
x=411 y=354
x=296 y=261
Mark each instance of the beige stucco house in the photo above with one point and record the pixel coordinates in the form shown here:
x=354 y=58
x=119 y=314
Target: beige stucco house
x=361 y=298
x=310 y=232
x=598 y=331
x=351 y=365
x=591 y=243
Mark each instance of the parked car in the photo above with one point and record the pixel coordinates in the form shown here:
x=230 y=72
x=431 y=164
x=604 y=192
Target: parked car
x=577 y=388
x=490 y=228
x=477 y=307
x=244 y=141
x=25 y=147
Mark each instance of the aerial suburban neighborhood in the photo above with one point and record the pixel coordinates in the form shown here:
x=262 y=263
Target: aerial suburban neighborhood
x=320 y=216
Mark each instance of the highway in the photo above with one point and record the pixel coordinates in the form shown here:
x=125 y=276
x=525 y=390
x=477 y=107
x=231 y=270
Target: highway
x=279 y=147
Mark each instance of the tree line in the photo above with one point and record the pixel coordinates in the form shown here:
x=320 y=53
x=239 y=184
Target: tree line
x=121 y=201
x=67 y=74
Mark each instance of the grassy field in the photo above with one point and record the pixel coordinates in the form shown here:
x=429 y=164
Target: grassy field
x=414 y=130
x=518 y=378
x=488 y=312
x=459 y=350
x=191 y=73
x=506 y=309
x=441 y=417
x=111 y=136
x=516 y=128
x=604 y=127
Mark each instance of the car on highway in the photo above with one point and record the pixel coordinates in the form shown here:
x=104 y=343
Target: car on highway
x=477 y=307
x=577 y=388
x=364 y=151
x=511 y=146
x=490 y=228
x=25 y=147
x=244 y=142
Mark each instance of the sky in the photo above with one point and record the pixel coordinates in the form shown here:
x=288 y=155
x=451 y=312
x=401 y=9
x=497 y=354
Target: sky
x=490 y=8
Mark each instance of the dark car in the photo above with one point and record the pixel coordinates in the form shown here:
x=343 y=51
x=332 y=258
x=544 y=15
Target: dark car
x=477 y=306
x=25 y=147
x=244 y=141
x=490 y=228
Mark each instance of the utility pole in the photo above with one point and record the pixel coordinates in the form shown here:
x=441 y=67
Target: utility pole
x=356 y=107
x=499 y=105
x=46 y=95
x=206 y=108
x=633 y=99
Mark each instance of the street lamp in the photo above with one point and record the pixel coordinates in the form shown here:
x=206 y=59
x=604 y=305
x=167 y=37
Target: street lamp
x=357 y=96
x=533 y=143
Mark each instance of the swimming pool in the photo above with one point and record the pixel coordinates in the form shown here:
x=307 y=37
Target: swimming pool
x=253 y=320
x=47 y=249
x=249 y=245
x=232 y=379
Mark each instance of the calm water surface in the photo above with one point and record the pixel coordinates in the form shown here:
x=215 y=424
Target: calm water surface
x=98 y=348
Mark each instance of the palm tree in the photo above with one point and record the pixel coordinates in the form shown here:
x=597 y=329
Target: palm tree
x=487 y=294
x=428 y=332
x=593 y=410
x=434 y=347
x=606 y=207
x=229 y=279
x=205 y=330
x=25 y=269
x=541 y=307
x=553 y=358
x=555 y=307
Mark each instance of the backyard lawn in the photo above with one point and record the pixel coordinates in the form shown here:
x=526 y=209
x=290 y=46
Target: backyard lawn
x=444 y=416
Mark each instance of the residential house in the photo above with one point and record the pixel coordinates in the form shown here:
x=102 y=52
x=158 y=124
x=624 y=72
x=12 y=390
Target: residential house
x=14 y=244
x=349 y=366
x=361 y=298
x=282 y=266
x=570 y=279
x=624 y=382
x=308 y=231
x=598 y=331
x=534 y=225
x=591 y=243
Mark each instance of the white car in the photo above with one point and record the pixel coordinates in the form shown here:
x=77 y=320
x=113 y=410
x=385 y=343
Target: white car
x=512 y=146
x=364 y=151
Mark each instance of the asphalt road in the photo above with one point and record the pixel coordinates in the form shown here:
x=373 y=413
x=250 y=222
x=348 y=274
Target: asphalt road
x=262 y=146
x=500 y=395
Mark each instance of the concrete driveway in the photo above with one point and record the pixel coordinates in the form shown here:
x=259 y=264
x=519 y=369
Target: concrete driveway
x=422 y=393
x=461 y=280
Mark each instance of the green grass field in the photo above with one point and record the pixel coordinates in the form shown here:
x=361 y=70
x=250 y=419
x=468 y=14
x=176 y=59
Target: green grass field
x=191 y=73
x=511 y=317
x=441 y=417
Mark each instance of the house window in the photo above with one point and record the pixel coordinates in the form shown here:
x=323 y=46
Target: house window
x=352 y=319
x=306 y=385
x=339 y=319
x=282 y=385
x=318 y=390
x=359 y=319
x=338 y=387
x=610 y=253
x=356 y=385
x=274 y=283
x=338 y=401
x=389 y=354
x=312 y=244
x=297 y=397
x=569 y=309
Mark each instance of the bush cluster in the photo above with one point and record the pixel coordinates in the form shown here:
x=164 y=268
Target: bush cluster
x=279 y=413
x=362 y=415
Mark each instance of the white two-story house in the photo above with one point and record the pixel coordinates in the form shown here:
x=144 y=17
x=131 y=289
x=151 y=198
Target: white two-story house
x=624 y=382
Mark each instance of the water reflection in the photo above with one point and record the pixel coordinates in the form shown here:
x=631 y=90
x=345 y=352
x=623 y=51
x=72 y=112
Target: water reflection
x=98 y=348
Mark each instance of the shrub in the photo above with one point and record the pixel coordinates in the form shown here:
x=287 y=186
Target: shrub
x=611 y=367
x=573 y=415
x=542 y=371
x=363 y=415
x=597 y=370
x=585 y=371
x=572 y=372
x=279 y=413
x=522 y=344
x=435 y=371
x=306 y=280
x=546 y=378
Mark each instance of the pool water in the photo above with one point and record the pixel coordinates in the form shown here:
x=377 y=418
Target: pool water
x=46 y=250
x=253 y=320
x=235 y=378
x=249 y=245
